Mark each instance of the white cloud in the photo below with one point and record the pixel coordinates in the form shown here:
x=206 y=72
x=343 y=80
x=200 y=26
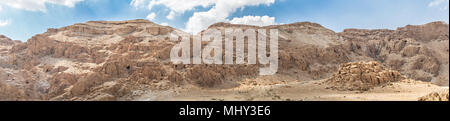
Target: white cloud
x=437 y=3
x=138 y=3
x=219 y=13
x=171 y=15
x=201 y=20
x=37 y=5
x=175 y=6
x=441 y=4
x=179 y=6
x=165 y=24
x=0 y=8
x=4 y=23
x=254 y=20
x=151 y=16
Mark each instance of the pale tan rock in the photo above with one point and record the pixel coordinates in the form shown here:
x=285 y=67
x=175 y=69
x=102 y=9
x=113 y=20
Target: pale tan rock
x=362 y=76
x=112 y=60
x=435 y=96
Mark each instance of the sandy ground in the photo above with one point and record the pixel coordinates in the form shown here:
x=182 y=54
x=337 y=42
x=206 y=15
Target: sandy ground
x=267 y=90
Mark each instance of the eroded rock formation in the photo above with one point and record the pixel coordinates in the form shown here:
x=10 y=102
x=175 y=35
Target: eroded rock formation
x=362 y=76
x=435 y=96
x=116 y=60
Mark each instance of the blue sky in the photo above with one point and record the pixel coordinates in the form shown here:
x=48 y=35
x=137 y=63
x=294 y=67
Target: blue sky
x=23 y=19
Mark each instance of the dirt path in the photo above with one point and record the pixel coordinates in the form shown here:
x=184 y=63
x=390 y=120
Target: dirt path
x=298 y=91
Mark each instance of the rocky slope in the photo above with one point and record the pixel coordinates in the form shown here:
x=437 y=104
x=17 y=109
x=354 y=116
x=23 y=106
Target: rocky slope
x=362 y=76
x=92 y=61
x=6 y=44
x=312 y=52
x=420 y=52
x=8 y=91
x=436 y=96
x=123 y=60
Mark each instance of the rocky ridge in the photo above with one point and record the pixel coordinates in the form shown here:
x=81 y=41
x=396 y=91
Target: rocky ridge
x=121 y=60
x=362 y=76
x=435 y=96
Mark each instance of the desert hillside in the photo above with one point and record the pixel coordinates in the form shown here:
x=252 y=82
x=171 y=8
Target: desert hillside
x=130 y=60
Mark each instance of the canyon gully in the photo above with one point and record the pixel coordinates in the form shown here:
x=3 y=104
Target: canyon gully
x=233 y=45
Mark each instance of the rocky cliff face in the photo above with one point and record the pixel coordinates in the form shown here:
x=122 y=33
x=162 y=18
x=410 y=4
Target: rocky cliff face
x=420 y=51
x=435 y=96
x=362 y=76
x=8 y=91
x=92 y=61
x=118 y=60
x=6 y=44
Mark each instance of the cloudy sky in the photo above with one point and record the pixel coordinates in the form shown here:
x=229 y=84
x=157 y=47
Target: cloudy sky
x=21 y=19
